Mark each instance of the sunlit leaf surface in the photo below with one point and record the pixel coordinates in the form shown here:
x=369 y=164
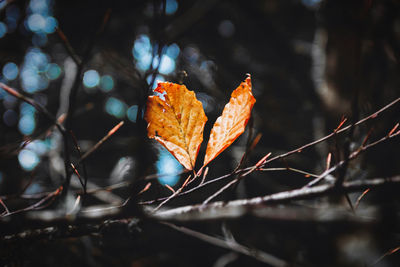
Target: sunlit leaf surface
x=176 y=119
x=232 y=123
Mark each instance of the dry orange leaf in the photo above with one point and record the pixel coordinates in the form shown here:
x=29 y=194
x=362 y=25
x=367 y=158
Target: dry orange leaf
x=232 y=123
x=176 y=120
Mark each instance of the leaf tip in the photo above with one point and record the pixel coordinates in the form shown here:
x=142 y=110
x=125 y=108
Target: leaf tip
x=248 y=79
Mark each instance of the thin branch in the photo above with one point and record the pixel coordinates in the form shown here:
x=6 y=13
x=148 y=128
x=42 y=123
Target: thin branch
x=204 y=175
x=216 y=210
x=352 y=156
x=225 y=187
x=41 y=204
x=65 y=232
x=231 y=245
x=294 y=151
x=68 y=47
x=85 y=175
x=172 y=195
x=306 y=174
x=41 y=109
x=361 y=197
x=79 y=177
x=240 y=207
x=302 y=148
x=4 y=206
x=99 y=143
x=390 y=252
x=74 y=92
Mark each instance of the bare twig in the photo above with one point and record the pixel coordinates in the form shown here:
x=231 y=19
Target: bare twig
x=352 y=156
x=85 y=176
x=249 y=149
x=302 y=148
x=146 y=187
x=74 y=90
x=172 y=195
x=240 y=207
x=361 y=197
x=170 y=188
x=232 y=245
x=62 y=232
x=4 y=206
x=328 y=161
x=306 y=174
x=294 y=151
x=215 y=210
x=50 y=117
x=393 y=129
x=99 y=143
x=40 y=204
x=79 y=177
x=204 y=175
x=390 y=252
x=41 y=109
x=225 y=187
x=68 y=47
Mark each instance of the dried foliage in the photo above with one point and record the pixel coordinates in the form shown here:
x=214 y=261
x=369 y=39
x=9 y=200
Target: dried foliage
x=319 y=165
x=176 y=119
x=232 y=123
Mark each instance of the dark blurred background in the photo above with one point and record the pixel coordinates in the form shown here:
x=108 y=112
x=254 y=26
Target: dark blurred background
x=311 y=62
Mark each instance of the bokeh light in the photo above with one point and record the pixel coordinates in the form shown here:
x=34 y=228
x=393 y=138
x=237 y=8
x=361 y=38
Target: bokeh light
x=3 y=29
x=226 y=28
x=173 y=51
x=167 y=64
x=28 y=159
x=12 y=17
x=40 y=21
x=37 y=59
x=50 y=25
x=91 y=78
x=9 y=101
x=39 y=6
x=207 y=101
x=53 y=71
x=106 y=83
x=10 y=71
x=33 y=71
x=311 y=3
x=167 y=164
x=157 y=79
x=26 y=109
x=191 y=54
x=34 y=188
x=27 y=124
x=131 y=113
x=2 y=92
x=115 y=107
x=171 y=7
x=10 y=117
x=36 y=22
x=38 y=146
x=142 y=52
